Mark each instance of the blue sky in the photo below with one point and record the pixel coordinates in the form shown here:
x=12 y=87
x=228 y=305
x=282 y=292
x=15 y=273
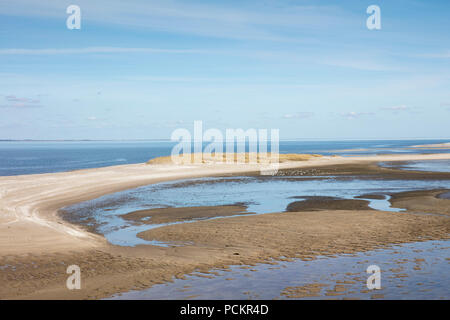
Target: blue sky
x=141 y=69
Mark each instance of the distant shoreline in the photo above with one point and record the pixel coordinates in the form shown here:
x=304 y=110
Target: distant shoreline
x=84 y=140
x=168 y=140
x=434 y=146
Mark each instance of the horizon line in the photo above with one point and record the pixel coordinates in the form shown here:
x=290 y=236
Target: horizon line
x=169 y=140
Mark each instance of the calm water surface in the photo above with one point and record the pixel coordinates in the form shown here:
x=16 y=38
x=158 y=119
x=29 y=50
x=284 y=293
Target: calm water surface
x=431 y=165
x=27 y=157
x=261 y=196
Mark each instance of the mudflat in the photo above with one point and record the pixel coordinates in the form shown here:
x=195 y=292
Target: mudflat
x=37 y=245
x=430 y=201
x=327 y=203
x=167 y=215
x=304 y=234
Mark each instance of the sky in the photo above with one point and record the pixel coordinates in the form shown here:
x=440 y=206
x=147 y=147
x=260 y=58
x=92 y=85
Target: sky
x=141 y=69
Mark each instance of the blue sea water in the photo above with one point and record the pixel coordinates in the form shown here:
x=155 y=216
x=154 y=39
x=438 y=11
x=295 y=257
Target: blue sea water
x=31 y=157
x=25 y=157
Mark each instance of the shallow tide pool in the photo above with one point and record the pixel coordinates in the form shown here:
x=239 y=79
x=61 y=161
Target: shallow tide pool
x=409 y=271
x=261 y=195
x=432 y=165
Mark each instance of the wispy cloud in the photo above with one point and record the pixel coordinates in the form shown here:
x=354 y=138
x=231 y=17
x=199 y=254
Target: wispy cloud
x=446 y=105
x=173 y=123
x=12 y=98
x=91 y=50
x=396 y=108
x=298 y=115
x=441 y=55
x=354 y=115
x=367 y=65
x=210 y=18
x=358 y=64
x=13 y=101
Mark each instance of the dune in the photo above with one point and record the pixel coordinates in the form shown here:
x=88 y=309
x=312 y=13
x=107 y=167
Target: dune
x=235 y=157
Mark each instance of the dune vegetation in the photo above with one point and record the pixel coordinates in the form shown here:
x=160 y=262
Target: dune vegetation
x=234 y=158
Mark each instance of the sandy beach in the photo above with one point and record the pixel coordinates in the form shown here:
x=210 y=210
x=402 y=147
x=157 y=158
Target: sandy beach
x=37 y=245
x=195 y=153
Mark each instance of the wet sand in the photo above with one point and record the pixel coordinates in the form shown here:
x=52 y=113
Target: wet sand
x=305 y=291
x=36 y=245
x=167 y=215
x=327 y=203
x=409 y=271
x=207 y=245
x=304 y=234
x=429 y=201
x=369 y=170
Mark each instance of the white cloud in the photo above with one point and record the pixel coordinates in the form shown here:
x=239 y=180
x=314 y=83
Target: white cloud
x=211 y=18
x=354 y=115
x=13 y=98
x=298 y=115
x=358 y=64
x=397 y=108
x=13 y=101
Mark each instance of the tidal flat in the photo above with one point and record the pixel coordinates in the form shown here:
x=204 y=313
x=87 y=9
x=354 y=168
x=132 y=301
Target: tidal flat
x=208 y=218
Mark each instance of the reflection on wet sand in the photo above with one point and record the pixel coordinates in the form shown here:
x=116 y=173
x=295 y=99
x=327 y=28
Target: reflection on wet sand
x=445 y=195
x=409 y=271
x=430 y=166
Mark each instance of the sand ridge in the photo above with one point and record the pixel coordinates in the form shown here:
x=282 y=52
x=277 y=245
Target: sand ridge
x=181 y=214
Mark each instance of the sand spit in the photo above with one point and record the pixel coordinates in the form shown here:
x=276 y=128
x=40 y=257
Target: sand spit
x=445 y=145
x=36 y=245
x=235 y=157
x=429 y=201
x=325 y=203
x=166 y=215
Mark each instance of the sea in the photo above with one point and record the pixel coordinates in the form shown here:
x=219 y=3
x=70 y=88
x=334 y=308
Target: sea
x=34 y=157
